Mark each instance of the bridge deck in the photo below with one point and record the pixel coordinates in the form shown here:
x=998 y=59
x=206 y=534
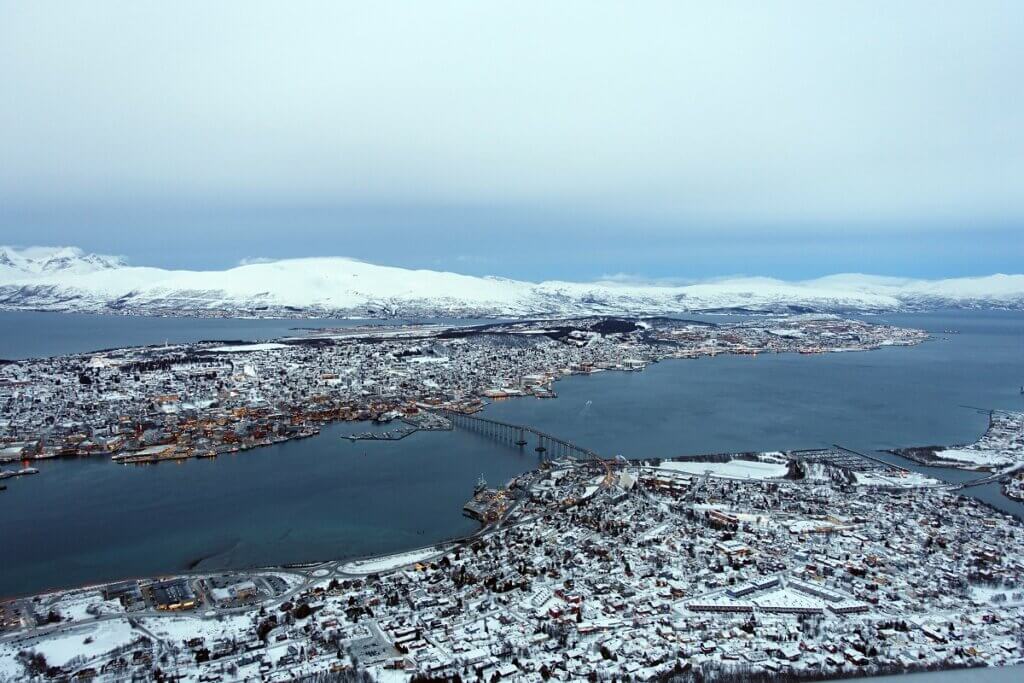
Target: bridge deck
x=509 y=430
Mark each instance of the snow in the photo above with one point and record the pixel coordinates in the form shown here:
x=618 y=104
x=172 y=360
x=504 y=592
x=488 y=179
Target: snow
x=49 y=277
x=1000 y=447
x=386 y=563
x=734 y=469
x=810 y=525
x=30 y=261
x=74 y=606
x=175 y=629
x=382 y=674
x=10 y=668
x=895 y=478
x=984 y=594
x=105 y=636
x=268 y=346
x=974 y=457
x=787 y=597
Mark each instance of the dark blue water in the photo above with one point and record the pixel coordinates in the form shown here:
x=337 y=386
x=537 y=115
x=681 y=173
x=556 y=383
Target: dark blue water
x=865 y=401
x=869 y=400
x=30 y=334
x=88 y=520
x=85 y=520
x=1007 y=674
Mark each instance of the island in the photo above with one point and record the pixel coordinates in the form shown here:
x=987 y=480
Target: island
x=146 y=405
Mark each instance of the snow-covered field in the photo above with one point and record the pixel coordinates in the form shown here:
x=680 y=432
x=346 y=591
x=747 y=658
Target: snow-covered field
x=84 y=641
x=174 y=630
x=734 y=469
x=388 y=562
x=984 y=458
x=1005 y=595
x=10 y=668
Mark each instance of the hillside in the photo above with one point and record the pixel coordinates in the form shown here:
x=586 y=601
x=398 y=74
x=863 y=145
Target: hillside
x=68 y=279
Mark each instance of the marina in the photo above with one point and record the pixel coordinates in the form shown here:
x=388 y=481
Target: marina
x=422 y=421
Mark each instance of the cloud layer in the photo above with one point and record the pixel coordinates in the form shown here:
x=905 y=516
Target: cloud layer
x=601 y=120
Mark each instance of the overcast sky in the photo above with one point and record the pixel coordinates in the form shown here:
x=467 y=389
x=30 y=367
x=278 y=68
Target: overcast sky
x=533 y=140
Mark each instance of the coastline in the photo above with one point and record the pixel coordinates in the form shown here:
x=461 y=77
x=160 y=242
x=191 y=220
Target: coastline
x=308 y=424
x=611 y=487
x=485 y=528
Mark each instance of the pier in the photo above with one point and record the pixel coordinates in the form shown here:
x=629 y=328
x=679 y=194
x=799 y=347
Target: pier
x=846 y=458
x=423 y=422
x=546 y=445
x=391 y=435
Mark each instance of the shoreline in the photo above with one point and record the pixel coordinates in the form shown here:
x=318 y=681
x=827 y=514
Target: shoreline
x=311 y=425
x=792 y=456
x=362 y=573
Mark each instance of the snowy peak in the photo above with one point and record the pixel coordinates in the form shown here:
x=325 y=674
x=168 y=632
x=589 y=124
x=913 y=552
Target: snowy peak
x=68 y=279
x=40 y=260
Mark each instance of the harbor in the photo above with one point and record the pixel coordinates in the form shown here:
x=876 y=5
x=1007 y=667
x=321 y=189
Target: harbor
x=423 y=420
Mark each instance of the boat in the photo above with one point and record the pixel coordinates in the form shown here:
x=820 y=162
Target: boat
x=27 y=470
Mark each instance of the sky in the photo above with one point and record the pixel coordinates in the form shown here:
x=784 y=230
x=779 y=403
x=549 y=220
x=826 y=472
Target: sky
x=536 y=140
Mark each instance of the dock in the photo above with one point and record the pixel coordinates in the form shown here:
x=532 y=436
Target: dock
x=423 y=422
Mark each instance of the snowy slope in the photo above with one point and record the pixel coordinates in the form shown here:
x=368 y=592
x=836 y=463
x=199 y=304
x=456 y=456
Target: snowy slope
x=51 y=260
x=68 y=279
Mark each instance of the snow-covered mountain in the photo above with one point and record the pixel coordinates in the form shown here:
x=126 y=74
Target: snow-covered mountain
x=43 y=260
x=68 y=279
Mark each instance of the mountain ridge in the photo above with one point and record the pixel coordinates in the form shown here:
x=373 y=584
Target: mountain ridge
x=70 y=279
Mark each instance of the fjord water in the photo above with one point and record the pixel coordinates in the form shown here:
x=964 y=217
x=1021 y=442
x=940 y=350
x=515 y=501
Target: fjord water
x=87 y=520
x=37 y=334
x=895 y=396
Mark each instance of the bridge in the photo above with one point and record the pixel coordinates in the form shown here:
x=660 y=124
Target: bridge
x=547 y=445
x=999 y=476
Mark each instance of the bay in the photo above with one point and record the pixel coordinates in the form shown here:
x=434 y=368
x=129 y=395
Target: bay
x=40 y=334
